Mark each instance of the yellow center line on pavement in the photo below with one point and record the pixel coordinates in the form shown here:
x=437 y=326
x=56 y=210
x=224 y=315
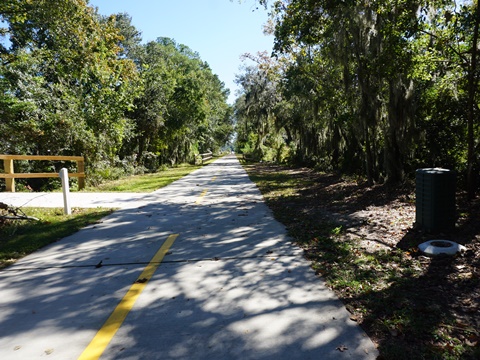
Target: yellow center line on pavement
x=204 y=192
x=202 y=195
x=103 y=337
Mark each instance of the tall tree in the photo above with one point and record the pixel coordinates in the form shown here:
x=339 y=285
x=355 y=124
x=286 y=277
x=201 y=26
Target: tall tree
x=182 y=108
x=63 y=61
x=368 y=36
x=261 y=96
x=448 y=60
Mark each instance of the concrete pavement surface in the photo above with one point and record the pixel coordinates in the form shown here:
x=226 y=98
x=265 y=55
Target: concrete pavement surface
x=197 y=270
x=77 y=199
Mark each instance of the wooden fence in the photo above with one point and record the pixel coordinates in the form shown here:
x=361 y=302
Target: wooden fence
x=204 y=157
x=10 y=174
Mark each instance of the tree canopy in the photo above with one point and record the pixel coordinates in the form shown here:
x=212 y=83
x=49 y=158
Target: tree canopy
x=377 y=88
x=73 y=82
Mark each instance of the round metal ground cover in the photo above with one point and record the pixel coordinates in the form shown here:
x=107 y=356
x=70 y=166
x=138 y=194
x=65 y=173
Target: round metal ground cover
x=437 y=247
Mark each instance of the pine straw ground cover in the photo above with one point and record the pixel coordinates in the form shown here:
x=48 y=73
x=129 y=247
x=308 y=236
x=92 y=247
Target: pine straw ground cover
x=362 y=241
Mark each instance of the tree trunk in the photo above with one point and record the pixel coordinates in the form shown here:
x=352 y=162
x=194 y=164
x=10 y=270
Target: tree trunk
x=399 y=107
x=472 y=87
x=141 y=149
x=368 y=157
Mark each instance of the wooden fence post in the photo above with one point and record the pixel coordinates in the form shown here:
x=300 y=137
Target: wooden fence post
x=9 y=183
x=81 y=169
x=9 y=173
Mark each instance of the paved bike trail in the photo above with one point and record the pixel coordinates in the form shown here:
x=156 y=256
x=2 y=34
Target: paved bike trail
x=200 y=271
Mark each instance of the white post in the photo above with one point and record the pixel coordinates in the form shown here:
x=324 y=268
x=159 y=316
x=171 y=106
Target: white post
x=66 y=191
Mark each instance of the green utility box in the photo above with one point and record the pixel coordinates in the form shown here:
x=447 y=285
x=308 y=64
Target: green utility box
x=435 y=199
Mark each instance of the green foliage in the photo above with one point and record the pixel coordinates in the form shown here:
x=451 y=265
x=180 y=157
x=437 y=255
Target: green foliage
x=373 y=88
x=182 y=109
x=75 y=83
x=255 y=110
x=63 y=67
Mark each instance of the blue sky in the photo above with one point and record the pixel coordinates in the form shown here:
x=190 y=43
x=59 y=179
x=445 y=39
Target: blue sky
x=219 y=30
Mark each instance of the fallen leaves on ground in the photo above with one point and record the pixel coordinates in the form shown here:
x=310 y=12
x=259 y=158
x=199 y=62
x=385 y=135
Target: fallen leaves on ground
x=363 y=241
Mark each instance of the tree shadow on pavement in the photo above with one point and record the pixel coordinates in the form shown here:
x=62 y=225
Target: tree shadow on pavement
x=231 y=286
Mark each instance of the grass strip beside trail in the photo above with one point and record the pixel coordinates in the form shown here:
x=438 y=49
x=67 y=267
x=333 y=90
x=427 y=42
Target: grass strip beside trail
x=19 y=238
x=146 y=182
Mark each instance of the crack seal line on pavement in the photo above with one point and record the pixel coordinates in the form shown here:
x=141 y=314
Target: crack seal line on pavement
x=272 y=256
x=106 y=333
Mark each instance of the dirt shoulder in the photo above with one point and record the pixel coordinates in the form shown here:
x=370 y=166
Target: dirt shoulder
x=363 y=242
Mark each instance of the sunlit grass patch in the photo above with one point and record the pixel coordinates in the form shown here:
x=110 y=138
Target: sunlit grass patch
x=146 y=182
x=19 y=237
